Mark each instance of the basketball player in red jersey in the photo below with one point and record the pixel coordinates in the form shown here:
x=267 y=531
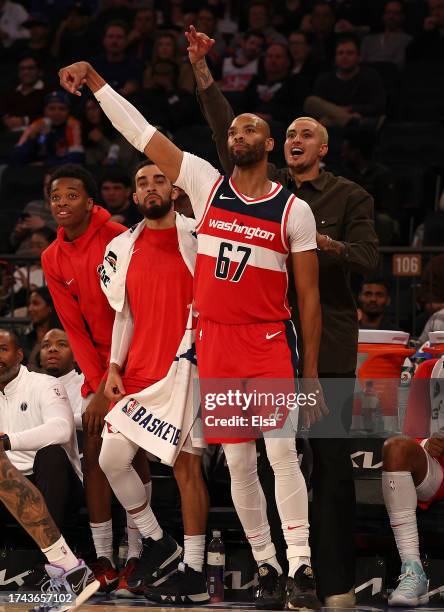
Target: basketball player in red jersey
x=70 y=267
x=247 y=227
x=159 y=317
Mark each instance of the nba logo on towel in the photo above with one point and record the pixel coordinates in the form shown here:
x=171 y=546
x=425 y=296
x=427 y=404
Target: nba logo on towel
x=130 y=406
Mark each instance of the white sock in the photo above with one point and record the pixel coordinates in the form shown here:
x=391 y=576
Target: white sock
x=194 y=551
x=149 y=490
x=294 y=563
x=102 y=534
x=134 y=539
x=401 y=500
x=61 y=555
x=147 y=524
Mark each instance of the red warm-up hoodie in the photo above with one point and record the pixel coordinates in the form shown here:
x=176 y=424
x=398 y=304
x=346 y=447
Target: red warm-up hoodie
x=70 y=270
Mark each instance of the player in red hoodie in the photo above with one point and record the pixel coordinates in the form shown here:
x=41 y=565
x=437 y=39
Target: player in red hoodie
x=70 y=267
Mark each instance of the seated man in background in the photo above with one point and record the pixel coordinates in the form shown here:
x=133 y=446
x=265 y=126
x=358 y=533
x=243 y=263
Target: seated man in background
x=53 y=139
x=57 y=359
x=115 y=193
x=348 y=93
x=374 y=300
x=37 y=420
x=413 y=474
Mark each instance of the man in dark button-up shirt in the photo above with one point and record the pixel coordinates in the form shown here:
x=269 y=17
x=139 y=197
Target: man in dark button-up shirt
x=347 y=243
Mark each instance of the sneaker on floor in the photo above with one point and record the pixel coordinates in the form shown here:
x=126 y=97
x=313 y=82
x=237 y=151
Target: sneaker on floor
x=157 y=560
x=123 y=590
x=184 y=586
x=301 y=590
x=35 y=581
x=73 y=587
x=342 y=600
x=106 y=574
x=270 y=592
x=413 y=587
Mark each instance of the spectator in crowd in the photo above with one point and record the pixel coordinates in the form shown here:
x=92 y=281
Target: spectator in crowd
x=374 y=300
x=43 y=317
x=429 y=45
x=113 y=10
x=12 y=17
x=299 y=44
x=431 y=293
x=347 y=243
x=389 y=45
x=271 y=94
x=435 y=323
x=38 y=44
x=97 y=133
x=206 y=22
x=166 y=49
x=21 y=105
x=259 y=18
x=31 y=277
x=123 y=72
x=349 y=93
x=36 y=415
x=376 y=178
x=142 y=35
x=55 y=138
x=238 y=70
x=57 y=359
x=288 y=15
x=33 y=217
x=182 y=204
x=74 y=33
x=115 y=192
x=320 y=23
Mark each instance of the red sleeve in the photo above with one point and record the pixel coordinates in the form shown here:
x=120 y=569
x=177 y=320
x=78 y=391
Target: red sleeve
x=417 y=418
x=69 y=313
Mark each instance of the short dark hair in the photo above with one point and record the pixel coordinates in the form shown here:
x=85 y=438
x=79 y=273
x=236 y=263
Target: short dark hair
x=78 y=172
x=376 y=280
x=30 y=56
x=139 y=166
x=348 y=38
x=13 y=335
x=44 y=293
x=361 y=139
x=116 y=23
x=256 y=33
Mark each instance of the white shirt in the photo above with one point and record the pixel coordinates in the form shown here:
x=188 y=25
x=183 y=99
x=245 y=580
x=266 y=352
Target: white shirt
x=35 y=413
x=197 y=178
x=236 y=78
x=12 y=17
x=73 y=382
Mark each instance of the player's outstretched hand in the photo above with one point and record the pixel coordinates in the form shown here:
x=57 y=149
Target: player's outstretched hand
x=93 y=418
x=199 y=44
x=316 y=409
x=73 y=77
x=114 y=389
x=435 y=444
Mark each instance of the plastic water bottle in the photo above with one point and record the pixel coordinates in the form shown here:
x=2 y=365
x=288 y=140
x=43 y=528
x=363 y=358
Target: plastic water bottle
x=407 y=371
x=215 y=568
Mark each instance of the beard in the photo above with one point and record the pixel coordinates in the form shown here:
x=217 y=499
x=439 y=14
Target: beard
x=8 y=374
x=155 y=211
x=248 y=156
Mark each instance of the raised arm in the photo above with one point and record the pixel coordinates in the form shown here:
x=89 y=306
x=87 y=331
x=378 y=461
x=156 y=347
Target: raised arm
x=125 y=118
x=214 y=106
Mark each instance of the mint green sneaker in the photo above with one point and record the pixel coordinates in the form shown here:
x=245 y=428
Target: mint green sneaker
x=413 y=587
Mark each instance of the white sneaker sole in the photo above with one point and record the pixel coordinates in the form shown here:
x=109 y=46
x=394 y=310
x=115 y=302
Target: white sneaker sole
x=403 y=602
x=84 y=595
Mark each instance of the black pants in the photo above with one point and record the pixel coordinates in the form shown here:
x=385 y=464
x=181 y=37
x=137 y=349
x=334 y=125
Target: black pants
x=333 y=508
x=57 y=481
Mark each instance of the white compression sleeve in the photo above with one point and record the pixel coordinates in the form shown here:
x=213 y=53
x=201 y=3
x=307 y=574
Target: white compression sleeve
x=125 y=117
x=122 y=335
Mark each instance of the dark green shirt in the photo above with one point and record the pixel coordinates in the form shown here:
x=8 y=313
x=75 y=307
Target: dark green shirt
x=343 y=211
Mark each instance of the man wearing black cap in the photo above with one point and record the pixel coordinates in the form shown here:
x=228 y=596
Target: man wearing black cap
x=52 y=139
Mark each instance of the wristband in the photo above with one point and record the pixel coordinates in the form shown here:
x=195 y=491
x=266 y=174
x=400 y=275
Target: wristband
x=6 y=442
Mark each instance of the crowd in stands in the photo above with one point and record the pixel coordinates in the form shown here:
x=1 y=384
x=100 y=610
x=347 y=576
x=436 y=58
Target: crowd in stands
x=370 y=71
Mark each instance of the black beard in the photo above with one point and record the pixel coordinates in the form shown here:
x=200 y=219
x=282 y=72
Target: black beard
x=158 y=211
x=53 y=371
x=9 y=374
x=249 y=156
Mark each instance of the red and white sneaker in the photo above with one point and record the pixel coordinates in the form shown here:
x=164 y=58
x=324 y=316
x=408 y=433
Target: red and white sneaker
x=106 y=574
x=123 y=590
